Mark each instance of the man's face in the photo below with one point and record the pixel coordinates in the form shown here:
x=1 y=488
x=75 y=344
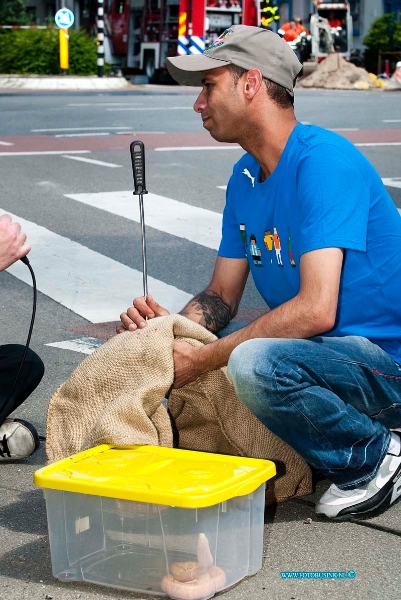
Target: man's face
x=220 y=104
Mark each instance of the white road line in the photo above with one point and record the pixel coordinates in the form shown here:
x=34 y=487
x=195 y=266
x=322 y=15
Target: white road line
x=392 y=181
x=192 y=223
x=45 y=153
x=6 y=144
x=379 y=144
x=69 y=135
x=78 y=129
x=107 y=104
x=141 y=132
x=399 y=210
x=92 y=161
x=197 y=148
x=93 y=286
x=221 y=187
x=346 y=129
x=152 y=108
x=86 y=345
x=391 y=120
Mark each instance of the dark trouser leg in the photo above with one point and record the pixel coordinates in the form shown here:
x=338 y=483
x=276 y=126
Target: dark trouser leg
x=29 y=377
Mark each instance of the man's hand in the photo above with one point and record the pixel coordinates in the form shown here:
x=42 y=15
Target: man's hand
x=136 y=314
x=186 y=364
x=13 y=244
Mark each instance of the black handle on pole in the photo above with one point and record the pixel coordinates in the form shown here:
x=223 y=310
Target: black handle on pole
x=137 y=150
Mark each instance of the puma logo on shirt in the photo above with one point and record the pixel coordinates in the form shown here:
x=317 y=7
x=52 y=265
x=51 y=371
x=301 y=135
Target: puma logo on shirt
x=247 y=173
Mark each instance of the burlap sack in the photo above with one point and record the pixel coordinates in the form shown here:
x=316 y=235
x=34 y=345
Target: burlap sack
x=115 y=397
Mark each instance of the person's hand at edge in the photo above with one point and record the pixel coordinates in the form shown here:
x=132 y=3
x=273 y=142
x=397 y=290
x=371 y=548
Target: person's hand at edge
x=13 y=244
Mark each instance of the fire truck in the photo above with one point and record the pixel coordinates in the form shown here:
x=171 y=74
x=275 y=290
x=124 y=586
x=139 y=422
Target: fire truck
x=141 y=34
x=331 y=30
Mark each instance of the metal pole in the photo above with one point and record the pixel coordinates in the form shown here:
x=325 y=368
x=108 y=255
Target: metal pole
x=100 y=38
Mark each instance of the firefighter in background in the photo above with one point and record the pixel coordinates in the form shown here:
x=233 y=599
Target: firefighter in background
x=268 y=13
x=333 y=20
x=293 y=29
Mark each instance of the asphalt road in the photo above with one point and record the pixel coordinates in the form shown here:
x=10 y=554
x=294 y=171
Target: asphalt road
x=66 y=174
x=57 y=145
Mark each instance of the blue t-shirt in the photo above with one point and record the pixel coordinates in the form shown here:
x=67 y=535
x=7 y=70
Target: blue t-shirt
x=323 y=193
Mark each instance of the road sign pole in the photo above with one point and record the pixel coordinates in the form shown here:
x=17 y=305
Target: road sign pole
x=100 y=38
x=64 y=19
x=63 y=40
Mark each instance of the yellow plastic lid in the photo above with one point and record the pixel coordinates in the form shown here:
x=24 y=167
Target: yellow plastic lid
x=169 y=476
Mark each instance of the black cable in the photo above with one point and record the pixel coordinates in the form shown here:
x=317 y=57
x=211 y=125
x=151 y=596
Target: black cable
x=28 y=264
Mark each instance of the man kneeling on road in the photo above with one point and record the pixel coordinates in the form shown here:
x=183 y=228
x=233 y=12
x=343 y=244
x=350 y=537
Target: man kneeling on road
x=321 y=369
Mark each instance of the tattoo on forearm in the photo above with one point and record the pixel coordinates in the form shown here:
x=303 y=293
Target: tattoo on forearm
x=212 y=309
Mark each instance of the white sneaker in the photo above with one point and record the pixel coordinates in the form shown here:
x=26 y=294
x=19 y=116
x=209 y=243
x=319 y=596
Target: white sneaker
x=18 y=439
x=368 y=500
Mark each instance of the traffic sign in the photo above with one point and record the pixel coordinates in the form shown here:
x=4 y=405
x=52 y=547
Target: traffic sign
x=64 y=18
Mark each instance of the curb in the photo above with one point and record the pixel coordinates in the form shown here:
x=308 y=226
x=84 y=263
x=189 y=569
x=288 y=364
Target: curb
x=66 y=82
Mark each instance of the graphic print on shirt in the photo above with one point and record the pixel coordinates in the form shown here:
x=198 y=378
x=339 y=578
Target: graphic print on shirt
x=255 y=252
x=277 y=247
x=290 y=253
x=247 y=173
x=268 y=240
x=243 y=235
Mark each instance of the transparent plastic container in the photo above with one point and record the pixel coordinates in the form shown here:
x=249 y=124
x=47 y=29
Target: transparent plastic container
x=189 y=547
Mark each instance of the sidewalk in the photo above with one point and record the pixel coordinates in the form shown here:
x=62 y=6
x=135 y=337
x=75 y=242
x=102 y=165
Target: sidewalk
x=63 y=82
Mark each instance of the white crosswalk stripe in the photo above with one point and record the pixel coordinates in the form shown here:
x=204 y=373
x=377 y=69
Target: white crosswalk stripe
x=97 y=287
x=392 y=181
x=183 y=220
x=93 y=286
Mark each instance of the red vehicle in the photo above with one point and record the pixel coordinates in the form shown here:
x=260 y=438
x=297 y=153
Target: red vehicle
x=140 y=34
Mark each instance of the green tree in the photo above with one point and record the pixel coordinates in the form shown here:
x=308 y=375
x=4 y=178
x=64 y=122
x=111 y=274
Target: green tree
x=384 y=36
x=13 y=12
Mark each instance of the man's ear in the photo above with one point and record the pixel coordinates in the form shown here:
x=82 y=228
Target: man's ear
x=253 y=81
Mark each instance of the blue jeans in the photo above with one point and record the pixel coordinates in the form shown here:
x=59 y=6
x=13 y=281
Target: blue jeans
x=332 y=399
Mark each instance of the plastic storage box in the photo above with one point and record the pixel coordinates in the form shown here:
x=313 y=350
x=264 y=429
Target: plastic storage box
x=156 y=520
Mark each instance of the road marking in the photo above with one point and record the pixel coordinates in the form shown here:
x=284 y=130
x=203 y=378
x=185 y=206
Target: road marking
x=108 y=104
x=45 y=153
x=93 y=286
x=197 y=148
x=153 y=108
x=221 y=187
x=86 y=345
x=399 y=210
x=141 y=132
x=6 y=144
x=379 y=144
x=391 y=120
x=346 y=129
x=78 y=129
x=69 y=135
x=392 y=181
x=185 y=221
x=92 y=161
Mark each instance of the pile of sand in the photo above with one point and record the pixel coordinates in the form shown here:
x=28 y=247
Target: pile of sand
x=336 y=73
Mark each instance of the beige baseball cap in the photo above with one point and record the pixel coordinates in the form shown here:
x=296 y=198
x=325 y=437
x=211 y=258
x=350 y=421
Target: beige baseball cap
x=244 y=46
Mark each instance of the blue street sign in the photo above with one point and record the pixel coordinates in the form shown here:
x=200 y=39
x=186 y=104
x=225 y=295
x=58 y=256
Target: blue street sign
x=64 y=18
